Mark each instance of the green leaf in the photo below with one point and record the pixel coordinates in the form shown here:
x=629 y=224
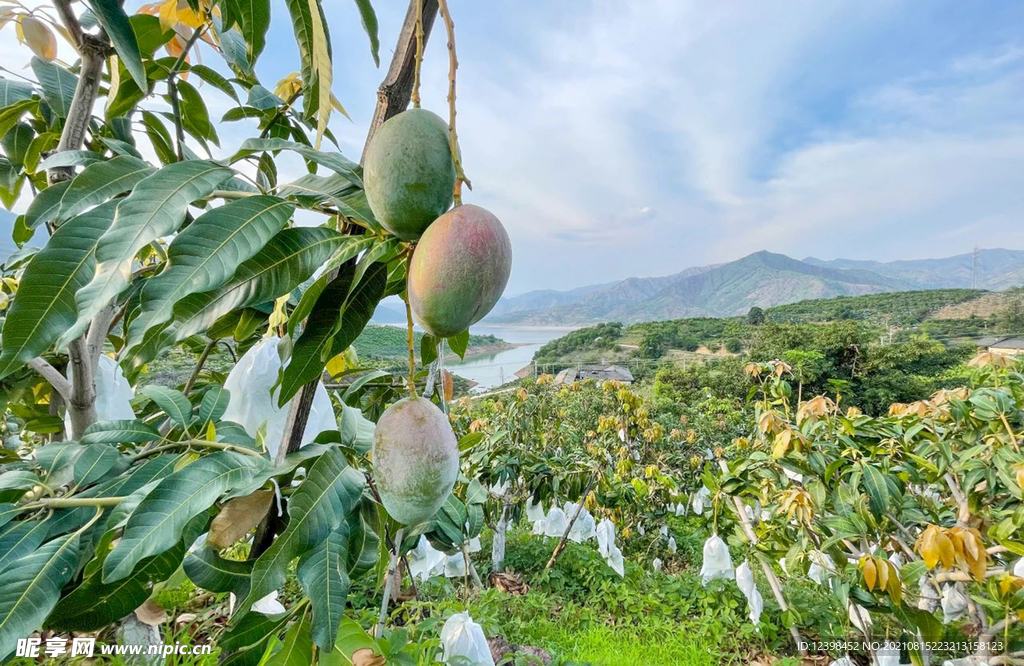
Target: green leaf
x=10 y=116
x=172 y=402
x=16 y=142
x=155 y=208
x=314 y=47
x=459 y=343
x=13 y=91
x=30 y=588
x=70 y=158
x=19 y=539
x=234 y=47
x=353 y=245
x=297 y=649
x=324 y=577
x=58 y=85
x=45 y=205
x=195 y=117
x=215 y=79
x=253 y=18
x=157 y=523
x=95 y=604
x=44 y=307
x=214 y=404
x=318 y=506
x=95 y=462
x=369 y=19
x=282 y=265
x=339 y=316
x=877 y=490
x=336 y=162
x=206 y=254
x=210 y=571
x=120 y=432
x=99 y=182
x=114 y=20
x=246 y=642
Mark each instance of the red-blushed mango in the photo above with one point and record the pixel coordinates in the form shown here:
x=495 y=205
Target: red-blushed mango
x=459 y=270
x=408 y=173
x=415 y=460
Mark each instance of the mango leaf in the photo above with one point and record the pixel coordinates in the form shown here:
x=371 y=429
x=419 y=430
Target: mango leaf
x=99 y=182
x=214 y=404
x=246 y=642
x=195 y=117
x=114 y=20
x=44 y=306
x=70 y=158
x=172 y=402
x=95 y=462
x=369 y=19
x=297 y=649
x=340 y=315
x=30 y=588
x=45 y=205
x=13 y=91
x=253 y=19
x=283 y=264
x=58 y=85
x=323 y=575
x=330 y=492
x=120 y=432
x=353 y=246
x=210 y=571
x=459 y=343
x=336 y=162
x=311 y=34
x=155 y=208
x=157 y=523
x=206 y=254
x=95 y=604
x=877 y=490
x=21 y=538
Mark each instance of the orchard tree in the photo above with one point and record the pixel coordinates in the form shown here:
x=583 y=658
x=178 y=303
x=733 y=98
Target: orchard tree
x=191 y=249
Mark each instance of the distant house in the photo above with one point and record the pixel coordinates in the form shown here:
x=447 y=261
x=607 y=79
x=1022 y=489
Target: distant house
x=598 y=373
x=1007 y=346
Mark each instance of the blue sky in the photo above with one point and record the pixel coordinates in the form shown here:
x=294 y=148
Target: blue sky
x=617 y=139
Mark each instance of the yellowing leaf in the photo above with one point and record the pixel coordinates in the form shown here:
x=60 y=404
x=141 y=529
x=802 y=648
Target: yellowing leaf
x=38 y=37
x=322 y=66
x=869 y=571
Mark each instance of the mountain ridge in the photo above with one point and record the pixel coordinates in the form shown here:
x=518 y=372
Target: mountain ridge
x=760 y=279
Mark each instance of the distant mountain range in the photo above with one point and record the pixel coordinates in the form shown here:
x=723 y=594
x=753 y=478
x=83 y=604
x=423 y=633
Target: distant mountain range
x=763 y=279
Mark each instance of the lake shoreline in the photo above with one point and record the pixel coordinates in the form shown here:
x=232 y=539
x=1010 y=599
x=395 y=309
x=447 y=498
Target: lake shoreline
x=486 y=350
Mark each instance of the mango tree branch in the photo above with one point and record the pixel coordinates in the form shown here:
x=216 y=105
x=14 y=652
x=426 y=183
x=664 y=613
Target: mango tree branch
x=52 y=375
x=773 y=580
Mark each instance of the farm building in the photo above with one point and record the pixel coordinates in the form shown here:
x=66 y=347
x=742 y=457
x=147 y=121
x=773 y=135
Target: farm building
x=1008 y=346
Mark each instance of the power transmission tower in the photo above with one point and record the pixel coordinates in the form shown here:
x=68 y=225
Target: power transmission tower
x=974 y=279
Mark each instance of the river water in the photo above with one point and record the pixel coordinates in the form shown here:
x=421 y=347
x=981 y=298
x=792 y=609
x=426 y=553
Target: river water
x=492 y=370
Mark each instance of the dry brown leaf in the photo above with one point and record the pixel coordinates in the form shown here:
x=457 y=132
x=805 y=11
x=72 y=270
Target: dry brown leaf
x=237 y=517
x=366 y=657
x=151 y=613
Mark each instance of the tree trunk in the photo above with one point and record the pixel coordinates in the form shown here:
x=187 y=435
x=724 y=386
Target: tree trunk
x=498 y=547
x=82 y=403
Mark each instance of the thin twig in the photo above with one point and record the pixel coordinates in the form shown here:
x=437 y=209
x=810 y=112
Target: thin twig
x=199 y=366
x=221 y=446
x=419 y=56
x=453 y=137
